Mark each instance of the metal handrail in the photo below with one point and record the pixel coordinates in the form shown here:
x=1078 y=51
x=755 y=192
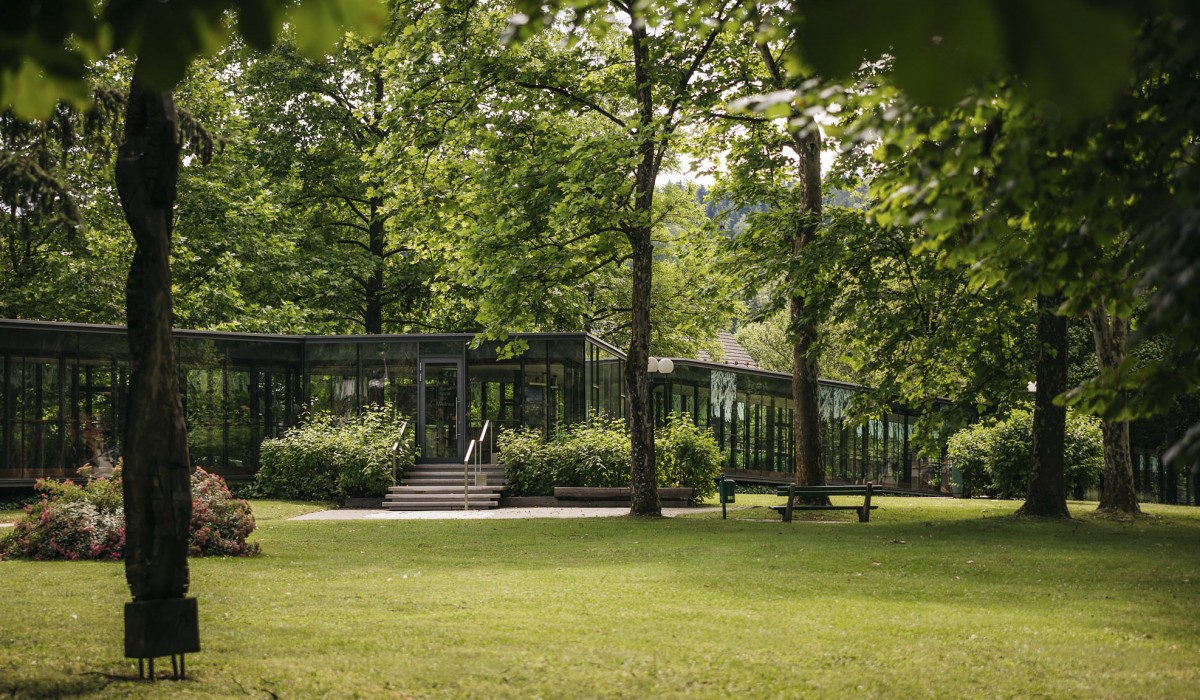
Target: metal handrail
x=467 y=463
x=466 y=487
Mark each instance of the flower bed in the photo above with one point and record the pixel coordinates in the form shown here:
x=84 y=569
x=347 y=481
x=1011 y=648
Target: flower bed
x=88 y=522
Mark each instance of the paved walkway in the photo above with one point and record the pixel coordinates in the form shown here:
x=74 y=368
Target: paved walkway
x=497 y=514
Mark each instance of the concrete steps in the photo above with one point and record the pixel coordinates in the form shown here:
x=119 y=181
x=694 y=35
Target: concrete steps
x=440 y=487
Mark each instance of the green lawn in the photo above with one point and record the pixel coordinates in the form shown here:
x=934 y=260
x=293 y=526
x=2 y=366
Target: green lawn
x=932 y=598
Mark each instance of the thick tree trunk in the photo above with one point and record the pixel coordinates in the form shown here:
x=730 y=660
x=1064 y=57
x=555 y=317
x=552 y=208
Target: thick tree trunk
x=805 y=392
x=809 y=470
x=805 y=395
x=157 y=470
x=806 y=426
x=643 y=472
x=1119 y=495
x=1047 y=493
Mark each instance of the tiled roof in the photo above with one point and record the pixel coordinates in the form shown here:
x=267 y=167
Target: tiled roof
x=734 y=353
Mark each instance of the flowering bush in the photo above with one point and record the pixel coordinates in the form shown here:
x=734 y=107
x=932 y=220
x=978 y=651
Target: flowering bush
x=220 y=522
x=69 y=522
x=88 y=522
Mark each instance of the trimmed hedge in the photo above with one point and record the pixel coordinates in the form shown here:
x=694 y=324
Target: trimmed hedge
x=328 y=459
x=994 y=457
x=597 y=454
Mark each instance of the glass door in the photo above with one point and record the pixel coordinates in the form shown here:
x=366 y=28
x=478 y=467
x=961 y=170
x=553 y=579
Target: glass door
x=440 y=410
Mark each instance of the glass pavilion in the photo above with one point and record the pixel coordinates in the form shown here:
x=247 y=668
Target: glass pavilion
x=64 y=390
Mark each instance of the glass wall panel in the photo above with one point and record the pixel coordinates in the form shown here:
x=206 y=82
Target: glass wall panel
x=536 y=387
x=64 y=393
x=332 y=373
x=494 y=393
x=34 y=436
x=389 y=377
x=607 y=383
x=566 y=400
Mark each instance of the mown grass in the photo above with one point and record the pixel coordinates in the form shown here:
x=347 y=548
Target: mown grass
x=932 y=598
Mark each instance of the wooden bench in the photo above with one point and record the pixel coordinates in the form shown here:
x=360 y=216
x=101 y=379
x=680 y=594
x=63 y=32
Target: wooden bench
x=794 y=493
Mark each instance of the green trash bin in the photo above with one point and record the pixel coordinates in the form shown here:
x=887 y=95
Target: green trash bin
x=726 y=492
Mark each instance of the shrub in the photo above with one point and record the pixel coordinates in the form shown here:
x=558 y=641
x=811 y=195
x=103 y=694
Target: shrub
x=220 y=522
x=523 y=454
x=687 y=455
x=994 y=457
x=328 y=459
x=597 y=454
x=593 y=454
x=88 y=522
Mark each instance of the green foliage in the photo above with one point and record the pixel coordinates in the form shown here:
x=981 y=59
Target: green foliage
x=327 y=458
x=994 y=456
x=1073 y=605
x=686 y=455
x=587 y=454
x=45 y=47
x=597 y=454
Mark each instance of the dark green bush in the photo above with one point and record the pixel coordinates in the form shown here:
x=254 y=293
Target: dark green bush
x=994 y=457
x=597 y=454
x=687 y=455
x=328 y=459
x=523 y=454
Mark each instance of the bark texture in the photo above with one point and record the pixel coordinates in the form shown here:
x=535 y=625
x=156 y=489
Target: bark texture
x=805 y=393
x=1118 y=494
x=157 y=470
x=643 y=473
x=1047 y=492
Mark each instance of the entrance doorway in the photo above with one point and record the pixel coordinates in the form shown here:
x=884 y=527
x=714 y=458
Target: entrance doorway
x=441 y=409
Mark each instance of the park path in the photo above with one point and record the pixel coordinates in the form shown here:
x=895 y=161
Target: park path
x=497 y=514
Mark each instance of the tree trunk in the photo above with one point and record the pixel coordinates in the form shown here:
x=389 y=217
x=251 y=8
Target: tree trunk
x=157 y=470
x=1047 y=493
x=1118 y=495
x=643 y=473
x=376 y=236
x=805 y=391
x=806 y=426
x=373 y=290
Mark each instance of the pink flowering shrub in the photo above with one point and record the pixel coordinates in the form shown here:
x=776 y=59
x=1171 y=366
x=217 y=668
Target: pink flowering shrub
x=88 y=522
x=220 y=522
x=69 y=522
